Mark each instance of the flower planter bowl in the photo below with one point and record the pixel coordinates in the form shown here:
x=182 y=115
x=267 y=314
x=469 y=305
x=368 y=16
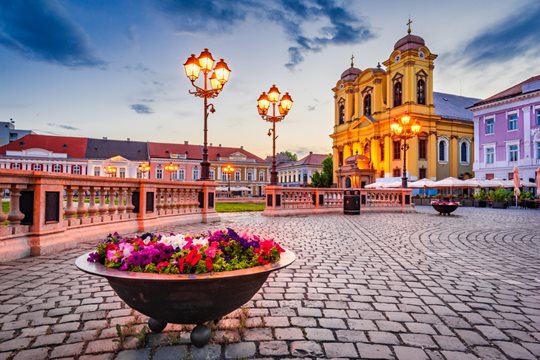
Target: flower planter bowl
x=499 y=205
x=445 y=209
x=186 y=298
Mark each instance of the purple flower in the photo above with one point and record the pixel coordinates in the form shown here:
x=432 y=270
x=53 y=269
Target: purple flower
x=93 y=257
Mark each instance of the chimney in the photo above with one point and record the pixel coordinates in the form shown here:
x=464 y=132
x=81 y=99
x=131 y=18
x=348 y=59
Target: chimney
x=219 y=145
x=311 y=153
x=242 y=147
x=186 y=142
x=128 y=139
x=104 y=138
x=210 y=144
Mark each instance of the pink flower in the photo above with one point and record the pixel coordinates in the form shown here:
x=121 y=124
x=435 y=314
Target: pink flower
x=211 y=252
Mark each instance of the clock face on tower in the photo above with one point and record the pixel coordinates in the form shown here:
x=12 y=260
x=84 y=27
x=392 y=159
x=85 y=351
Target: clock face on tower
x=421 y=55
x=397 y=58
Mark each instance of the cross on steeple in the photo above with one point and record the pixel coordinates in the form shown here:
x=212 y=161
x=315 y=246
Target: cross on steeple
x=352 y=60
x=409 y=25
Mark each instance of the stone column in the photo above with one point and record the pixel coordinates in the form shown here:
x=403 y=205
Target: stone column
x=103 y=207
x=70 y=211
x=15 y=215
x=81 y=206
x=92 y=208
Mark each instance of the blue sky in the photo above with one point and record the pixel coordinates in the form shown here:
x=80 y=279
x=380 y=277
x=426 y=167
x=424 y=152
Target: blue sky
x=114 y=68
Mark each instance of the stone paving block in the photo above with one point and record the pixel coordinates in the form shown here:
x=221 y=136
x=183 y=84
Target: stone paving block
x=410 y=353
x=15 y=344
x=32 y=354
x=383 y=337
x=289 y=334
x=372 y=351
x=420 y=328
x=492 y=333
x=361 y=324
x=513 y=350
x=458 y=355
x=491 y=353
x=172 y=352
x=336 y=350
x=139 y=354
x=99 y=346
x=316 y=334
x=240 y=350
x=52 y=339
x=306 y=349
x=420 y=340
x=471 y=337
x=69 y=350
x=273 y=348
x=449 y=343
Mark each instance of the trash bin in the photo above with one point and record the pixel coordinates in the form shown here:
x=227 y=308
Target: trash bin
x=351 y=202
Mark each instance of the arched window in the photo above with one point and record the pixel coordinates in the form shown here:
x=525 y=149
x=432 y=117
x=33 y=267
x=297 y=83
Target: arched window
x=249 y=176
x=367 y=104
x=397 y=93
x=464 y=152
x=421 y=91
x=341 y=113
x=443 y=150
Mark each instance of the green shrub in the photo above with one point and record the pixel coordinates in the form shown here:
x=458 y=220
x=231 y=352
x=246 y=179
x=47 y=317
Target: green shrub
x=480 y=196
x=526 y=195
x=499 y=195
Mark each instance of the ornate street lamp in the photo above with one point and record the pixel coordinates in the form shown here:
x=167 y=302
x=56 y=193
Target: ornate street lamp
x=229 y=170
x=404 y=129
x=170 y=167
x=143 y=168
x=213 y=84
x=263 y=104
x=109 y=169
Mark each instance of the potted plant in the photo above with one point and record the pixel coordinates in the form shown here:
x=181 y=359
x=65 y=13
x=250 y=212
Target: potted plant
x=467 y=200
x=527 y=200
x=499 y=198
x=186 y=279
x=480 y=198
x=445 y=207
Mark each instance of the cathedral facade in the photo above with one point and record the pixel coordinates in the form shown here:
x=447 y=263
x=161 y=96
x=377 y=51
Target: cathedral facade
x=366 y=103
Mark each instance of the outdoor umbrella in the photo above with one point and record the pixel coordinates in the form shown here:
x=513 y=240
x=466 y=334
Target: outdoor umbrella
x=421 y=184
x=393 y=184
x=538 y=182
x=478 y=183
x=450 y=183
x=374 y=185
x=516 y=184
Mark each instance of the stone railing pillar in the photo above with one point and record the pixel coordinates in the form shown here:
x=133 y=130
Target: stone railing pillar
x=121 y=198
x=129 y=201
x=103 y=207
x=81 y=206
x=70 y=211
x=92 y=207
x=15 y=215
x=3 y=215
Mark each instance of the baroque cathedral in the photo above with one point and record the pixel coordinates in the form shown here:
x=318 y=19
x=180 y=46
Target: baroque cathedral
x=366 y=103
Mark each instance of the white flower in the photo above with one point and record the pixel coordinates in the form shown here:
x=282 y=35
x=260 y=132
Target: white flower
x=176 y=241
x=201 y=241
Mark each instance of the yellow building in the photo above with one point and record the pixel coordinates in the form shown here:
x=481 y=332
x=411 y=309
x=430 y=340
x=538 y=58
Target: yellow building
x=366 y=102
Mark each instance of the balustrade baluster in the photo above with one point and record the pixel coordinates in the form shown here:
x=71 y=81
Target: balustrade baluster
x=103 y=207
x=3 y=215
x=81 y=206
x=92 y=207
x=15 y=215
x=129 y=201
x=159 y=205
x=112 y=201
x=70 y=210
x=121 y=200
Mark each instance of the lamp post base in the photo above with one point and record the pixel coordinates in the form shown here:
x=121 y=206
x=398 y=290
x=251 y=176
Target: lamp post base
x=404 y=182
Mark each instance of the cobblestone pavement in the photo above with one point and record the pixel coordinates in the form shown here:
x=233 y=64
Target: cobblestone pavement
x=375 y=286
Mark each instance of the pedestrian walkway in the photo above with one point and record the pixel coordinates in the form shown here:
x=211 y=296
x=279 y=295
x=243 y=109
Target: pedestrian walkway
x=375 y=286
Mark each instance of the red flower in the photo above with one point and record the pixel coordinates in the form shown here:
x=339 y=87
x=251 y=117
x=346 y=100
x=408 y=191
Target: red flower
x=193 y=257
x=209 y=264
x=162 y=265
x=181 y=265
x=262 y=260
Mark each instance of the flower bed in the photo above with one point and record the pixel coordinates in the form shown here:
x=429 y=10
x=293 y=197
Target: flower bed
x=222 y=250
x=441 y=202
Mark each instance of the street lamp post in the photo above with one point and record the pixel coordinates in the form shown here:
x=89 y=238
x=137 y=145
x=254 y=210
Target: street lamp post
x=285 y=104
x=403 y=129
x=170 y=167
x=229 y=170
x=213 y=84
x=143 y=168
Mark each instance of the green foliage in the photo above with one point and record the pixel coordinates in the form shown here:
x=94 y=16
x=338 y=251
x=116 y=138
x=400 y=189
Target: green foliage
x=526 y=195
x=239 y=207
x=323 y=179
x=480 y=196
x=289 y=155
x=499 y=195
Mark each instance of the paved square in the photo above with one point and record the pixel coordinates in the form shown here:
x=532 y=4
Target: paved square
x=375 y=286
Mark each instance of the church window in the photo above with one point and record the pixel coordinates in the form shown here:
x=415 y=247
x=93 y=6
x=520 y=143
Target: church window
x=422 y=149
x=464 y=152
x=397 y=93
x=367 y=104
x=421 y=92
x=397 y=172
x=443 y=150
x=397 y=150
x=422 y=173
x=341 y=115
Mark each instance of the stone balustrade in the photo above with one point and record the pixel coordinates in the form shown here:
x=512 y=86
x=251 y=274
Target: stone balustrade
x=283 y=201
x=50 y=211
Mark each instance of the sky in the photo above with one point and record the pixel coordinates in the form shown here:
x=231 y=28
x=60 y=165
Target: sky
x=114 y=68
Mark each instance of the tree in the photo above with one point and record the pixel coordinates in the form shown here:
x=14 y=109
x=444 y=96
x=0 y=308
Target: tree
x=324 y=178
x=288 y=155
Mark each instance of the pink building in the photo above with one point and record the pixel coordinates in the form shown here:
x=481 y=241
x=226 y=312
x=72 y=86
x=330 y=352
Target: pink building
x=507 y=132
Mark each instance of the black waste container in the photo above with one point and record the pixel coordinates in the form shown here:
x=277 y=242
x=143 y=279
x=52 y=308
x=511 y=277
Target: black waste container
x=351 y=202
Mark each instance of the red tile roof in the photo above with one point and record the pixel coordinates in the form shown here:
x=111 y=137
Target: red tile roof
x=312 y=159
x=163 y=150
x=74 y=147
x=510 y=92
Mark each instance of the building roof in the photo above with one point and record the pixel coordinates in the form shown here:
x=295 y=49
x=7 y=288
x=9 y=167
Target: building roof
x=451 y=106
x=312 y=159
x=74 y=147
x=106 y=149
x=164 y=150
x=529 y=85
x=409 y=42
x=350 y=74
